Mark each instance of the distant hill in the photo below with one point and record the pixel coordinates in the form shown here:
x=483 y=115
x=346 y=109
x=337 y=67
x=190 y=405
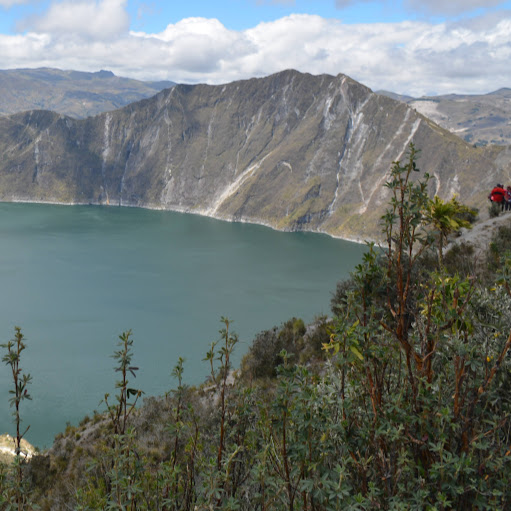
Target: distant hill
x=478 y=119
x=73 y=93
x=393 y=95
x=291 y=150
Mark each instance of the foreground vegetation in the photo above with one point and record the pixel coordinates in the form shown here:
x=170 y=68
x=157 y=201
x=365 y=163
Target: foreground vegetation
x=401 y=401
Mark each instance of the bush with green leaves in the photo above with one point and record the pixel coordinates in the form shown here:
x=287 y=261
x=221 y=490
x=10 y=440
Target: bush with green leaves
x=426 y=424
x=499 y=248
x=298 y=340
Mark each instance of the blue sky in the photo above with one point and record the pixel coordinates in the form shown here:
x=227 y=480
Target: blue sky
x=243 y=14
x=154 y=16
x=414 y=47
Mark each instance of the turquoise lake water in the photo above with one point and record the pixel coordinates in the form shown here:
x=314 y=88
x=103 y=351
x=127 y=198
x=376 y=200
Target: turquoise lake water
x=74 y=278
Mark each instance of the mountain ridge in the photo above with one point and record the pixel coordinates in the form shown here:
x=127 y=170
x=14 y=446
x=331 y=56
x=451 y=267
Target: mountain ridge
x=479 y=119
x=78 y=94
x=292 y=151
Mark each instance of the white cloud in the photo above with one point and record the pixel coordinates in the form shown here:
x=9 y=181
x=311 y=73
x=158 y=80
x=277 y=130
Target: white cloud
x=197 y=46
x=450 y=7
x=10 y=3
x=409 y=57
x=438 y=7
x=98 y=20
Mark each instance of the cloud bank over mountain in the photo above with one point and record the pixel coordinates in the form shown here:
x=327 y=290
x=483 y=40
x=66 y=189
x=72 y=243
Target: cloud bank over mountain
x=414 y=57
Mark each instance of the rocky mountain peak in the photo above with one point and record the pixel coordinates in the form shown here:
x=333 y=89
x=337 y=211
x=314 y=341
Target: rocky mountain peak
x=292 y=150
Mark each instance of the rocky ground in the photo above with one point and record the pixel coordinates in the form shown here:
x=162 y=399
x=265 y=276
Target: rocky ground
x=7 y=448
x=482 y=231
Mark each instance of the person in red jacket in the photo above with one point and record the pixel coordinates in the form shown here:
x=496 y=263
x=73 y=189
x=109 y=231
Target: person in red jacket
x=498 y=195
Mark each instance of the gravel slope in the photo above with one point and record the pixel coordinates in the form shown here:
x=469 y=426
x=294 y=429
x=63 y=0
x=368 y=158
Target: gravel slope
x=481 y=233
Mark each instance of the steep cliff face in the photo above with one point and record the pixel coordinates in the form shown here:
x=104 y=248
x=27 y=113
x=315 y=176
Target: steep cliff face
x=293 y=151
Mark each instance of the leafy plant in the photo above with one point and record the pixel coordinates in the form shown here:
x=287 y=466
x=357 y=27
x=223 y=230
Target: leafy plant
x=14 y=491
x=120 y=412
x=116 y=474
x=417 y=383
x=446 y=217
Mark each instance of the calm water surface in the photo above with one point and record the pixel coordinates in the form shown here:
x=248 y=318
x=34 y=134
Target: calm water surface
x=74 y=278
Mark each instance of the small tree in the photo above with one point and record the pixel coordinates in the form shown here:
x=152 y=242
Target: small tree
x=20 y=392
x=446 y=218
x=120 y=412
x=117 y=470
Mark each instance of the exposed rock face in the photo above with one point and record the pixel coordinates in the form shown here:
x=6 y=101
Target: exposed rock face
x=7 y=448
x=292 y=151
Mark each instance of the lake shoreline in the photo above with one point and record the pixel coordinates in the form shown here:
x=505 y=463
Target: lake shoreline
x=177 y=209
x=75 y=278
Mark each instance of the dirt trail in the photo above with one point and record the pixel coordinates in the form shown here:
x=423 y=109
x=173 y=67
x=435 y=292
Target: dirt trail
x=481 y=233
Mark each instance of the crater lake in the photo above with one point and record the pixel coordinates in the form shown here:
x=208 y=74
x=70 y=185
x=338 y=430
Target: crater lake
x=75 y=277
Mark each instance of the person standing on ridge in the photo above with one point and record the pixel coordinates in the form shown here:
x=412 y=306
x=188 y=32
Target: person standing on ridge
x=498 y=195
x=507 y=198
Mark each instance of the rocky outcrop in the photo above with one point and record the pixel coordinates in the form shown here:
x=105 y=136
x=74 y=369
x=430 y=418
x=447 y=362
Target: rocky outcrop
x=8 y=452
x=292 y=151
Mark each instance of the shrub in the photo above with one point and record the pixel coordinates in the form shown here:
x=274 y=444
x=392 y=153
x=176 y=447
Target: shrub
x=460 y=259
x=264 y=355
